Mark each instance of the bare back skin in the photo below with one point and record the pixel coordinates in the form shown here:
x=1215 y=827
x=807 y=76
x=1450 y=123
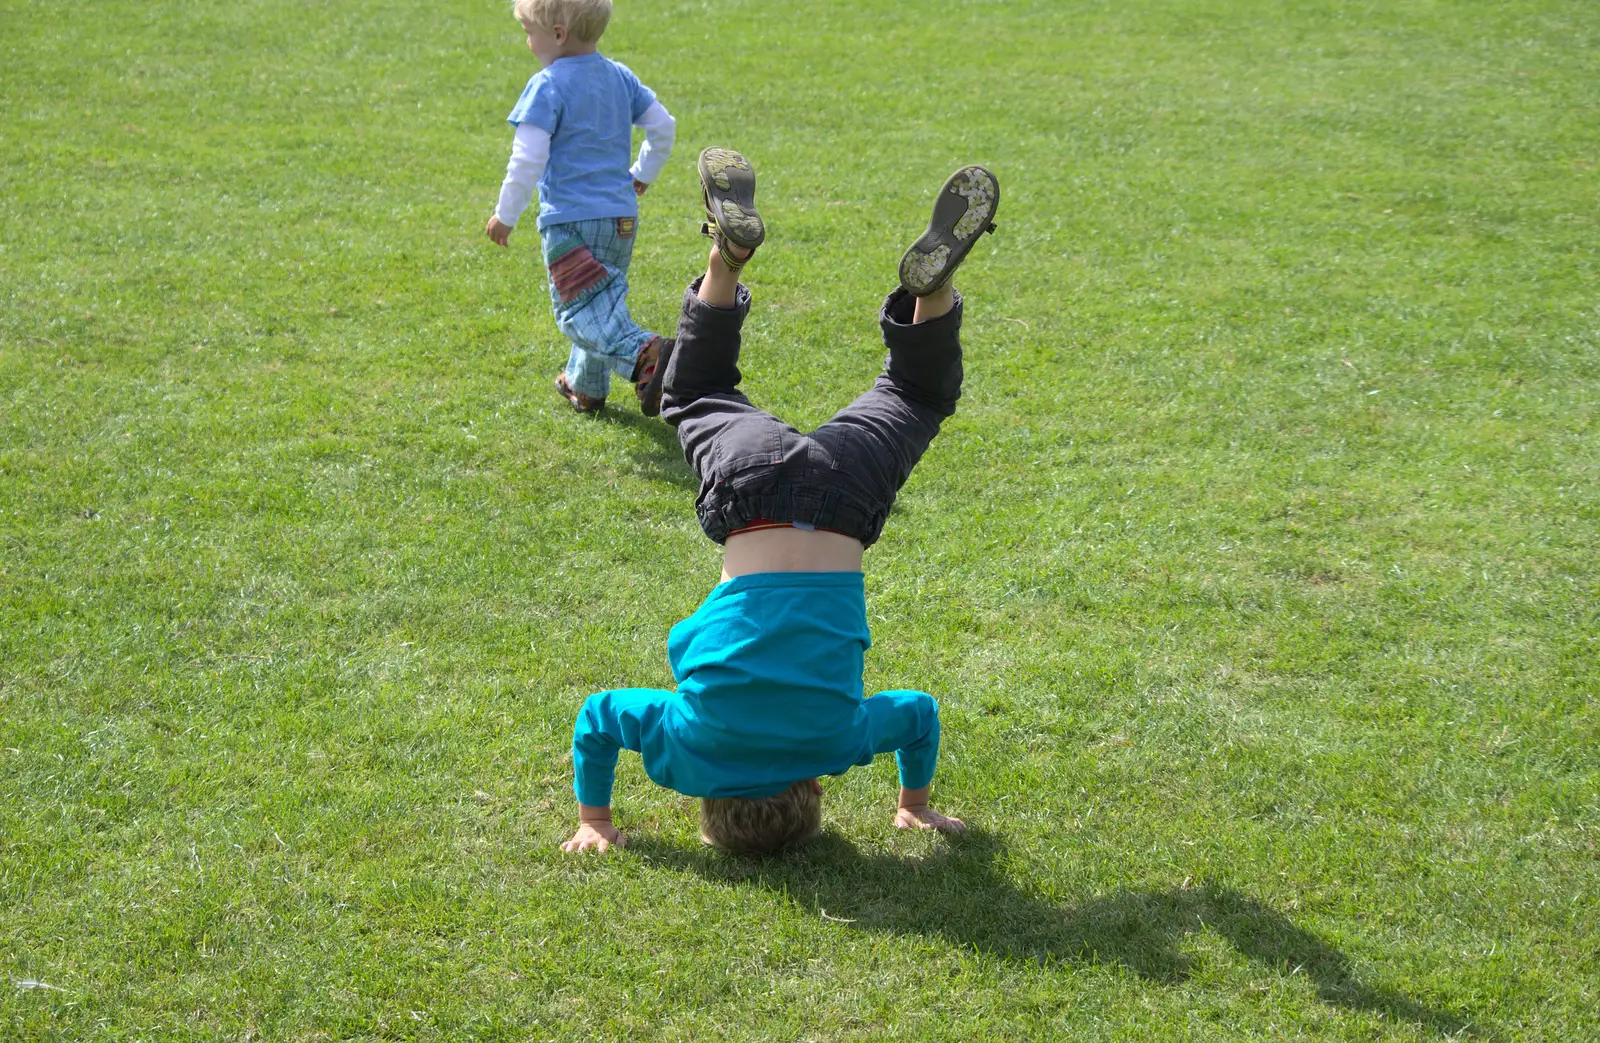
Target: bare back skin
x=790 y=550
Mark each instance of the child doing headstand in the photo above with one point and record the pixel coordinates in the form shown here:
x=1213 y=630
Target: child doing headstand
x=769 y=668
x=574 y=132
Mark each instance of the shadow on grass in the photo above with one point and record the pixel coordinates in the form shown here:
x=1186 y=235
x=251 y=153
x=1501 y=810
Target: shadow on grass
x=958 y=893
x=663 y=458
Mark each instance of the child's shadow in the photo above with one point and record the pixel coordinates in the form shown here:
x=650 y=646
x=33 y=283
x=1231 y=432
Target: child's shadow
x=957 y=893
x=657 y=454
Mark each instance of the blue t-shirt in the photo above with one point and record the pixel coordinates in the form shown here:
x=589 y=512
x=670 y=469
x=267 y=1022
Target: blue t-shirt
x=769 y=693
x=588 y=104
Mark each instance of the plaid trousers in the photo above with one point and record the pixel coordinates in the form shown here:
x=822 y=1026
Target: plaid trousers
x=588 y=264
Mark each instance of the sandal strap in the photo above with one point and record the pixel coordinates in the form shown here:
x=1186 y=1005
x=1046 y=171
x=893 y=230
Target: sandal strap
x=710 y=231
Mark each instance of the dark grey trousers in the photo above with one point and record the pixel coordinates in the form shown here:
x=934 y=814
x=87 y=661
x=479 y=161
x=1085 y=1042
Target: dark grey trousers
x=844 y=475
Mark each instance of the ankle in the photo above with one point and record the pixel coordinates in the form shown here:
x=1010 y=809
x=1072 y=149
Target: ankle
x=720 y=287
x=935 y=305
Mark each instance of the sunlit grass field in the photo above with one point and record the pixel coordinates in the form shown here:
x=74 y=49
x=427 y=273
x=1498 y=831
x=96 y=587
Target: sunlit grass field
x=1256 y=575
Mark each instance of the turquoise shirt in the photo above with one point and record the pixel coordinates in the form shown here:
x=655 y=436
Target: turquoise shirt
x=769 y=693
x=588 y=104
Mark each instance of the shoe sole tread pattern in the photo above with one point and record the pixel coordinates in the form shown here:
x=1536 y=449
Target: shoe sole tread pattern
x=963 y=211
x=729 y=185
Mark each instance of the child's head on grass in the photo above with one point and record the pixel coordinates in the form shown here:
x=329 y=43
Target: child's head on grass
x=762 y=825
x=582 y=20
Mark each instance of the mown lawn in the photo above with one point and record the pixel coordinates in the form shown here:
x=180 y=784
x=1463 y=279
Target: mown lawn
x=1257 y=575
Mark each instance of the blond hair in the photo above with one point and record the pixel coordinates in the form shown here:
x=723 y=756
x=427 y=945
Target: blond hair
x=762 y=825
x=585 y=19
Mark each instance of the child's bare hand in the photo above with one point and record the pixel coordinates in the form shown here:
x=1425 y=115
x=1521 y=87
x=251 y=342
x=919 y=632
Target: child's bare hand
x=497 y=230
x=598 y=835
x=639 y=187
x=925 y=817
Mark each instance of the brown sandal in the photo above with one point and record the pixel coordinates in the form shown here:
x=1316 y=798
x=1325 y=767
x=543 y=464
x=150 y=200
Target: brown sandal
x=582 y=403
x=649 y=372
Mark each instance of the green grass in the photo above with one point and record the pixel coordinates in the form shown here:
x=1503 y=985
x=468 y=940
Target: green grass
x=1256 y=575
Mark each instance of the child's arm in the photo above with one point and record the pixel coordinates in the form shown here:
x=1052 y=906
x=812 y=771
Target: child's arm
x=908 y=724
x=530 y=152
x=609 y=722
x=660 y=130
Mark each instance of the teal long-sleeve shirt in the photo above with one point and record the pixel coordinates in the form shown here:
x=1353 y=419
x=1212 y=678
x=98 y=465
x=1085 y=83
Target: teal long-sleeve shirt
x=769 y=693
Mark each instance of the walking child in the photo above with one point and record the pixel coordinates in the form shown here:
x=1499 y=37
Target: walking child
x=769 y=668
x=574 y=134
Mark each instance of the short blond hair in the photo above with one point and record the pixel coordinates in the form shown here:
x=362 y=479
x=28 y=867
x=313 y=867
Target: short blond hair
x=762 y=825
x=585 y=20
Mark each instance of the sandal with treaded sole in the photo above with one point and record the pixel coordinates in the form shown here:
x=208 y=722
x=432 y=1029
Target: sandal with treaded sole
x=728 y=189
x=963 y=212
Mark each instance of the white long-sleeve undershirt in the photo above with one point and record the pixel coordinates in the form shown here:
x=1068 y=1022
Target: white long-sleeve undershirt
x=659 y=131
x=530 y=153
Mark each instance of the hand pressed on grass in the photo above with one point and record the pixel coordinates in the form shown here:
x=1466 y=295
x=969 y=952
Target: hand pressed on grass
x=594 y=831
x=914 y=813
